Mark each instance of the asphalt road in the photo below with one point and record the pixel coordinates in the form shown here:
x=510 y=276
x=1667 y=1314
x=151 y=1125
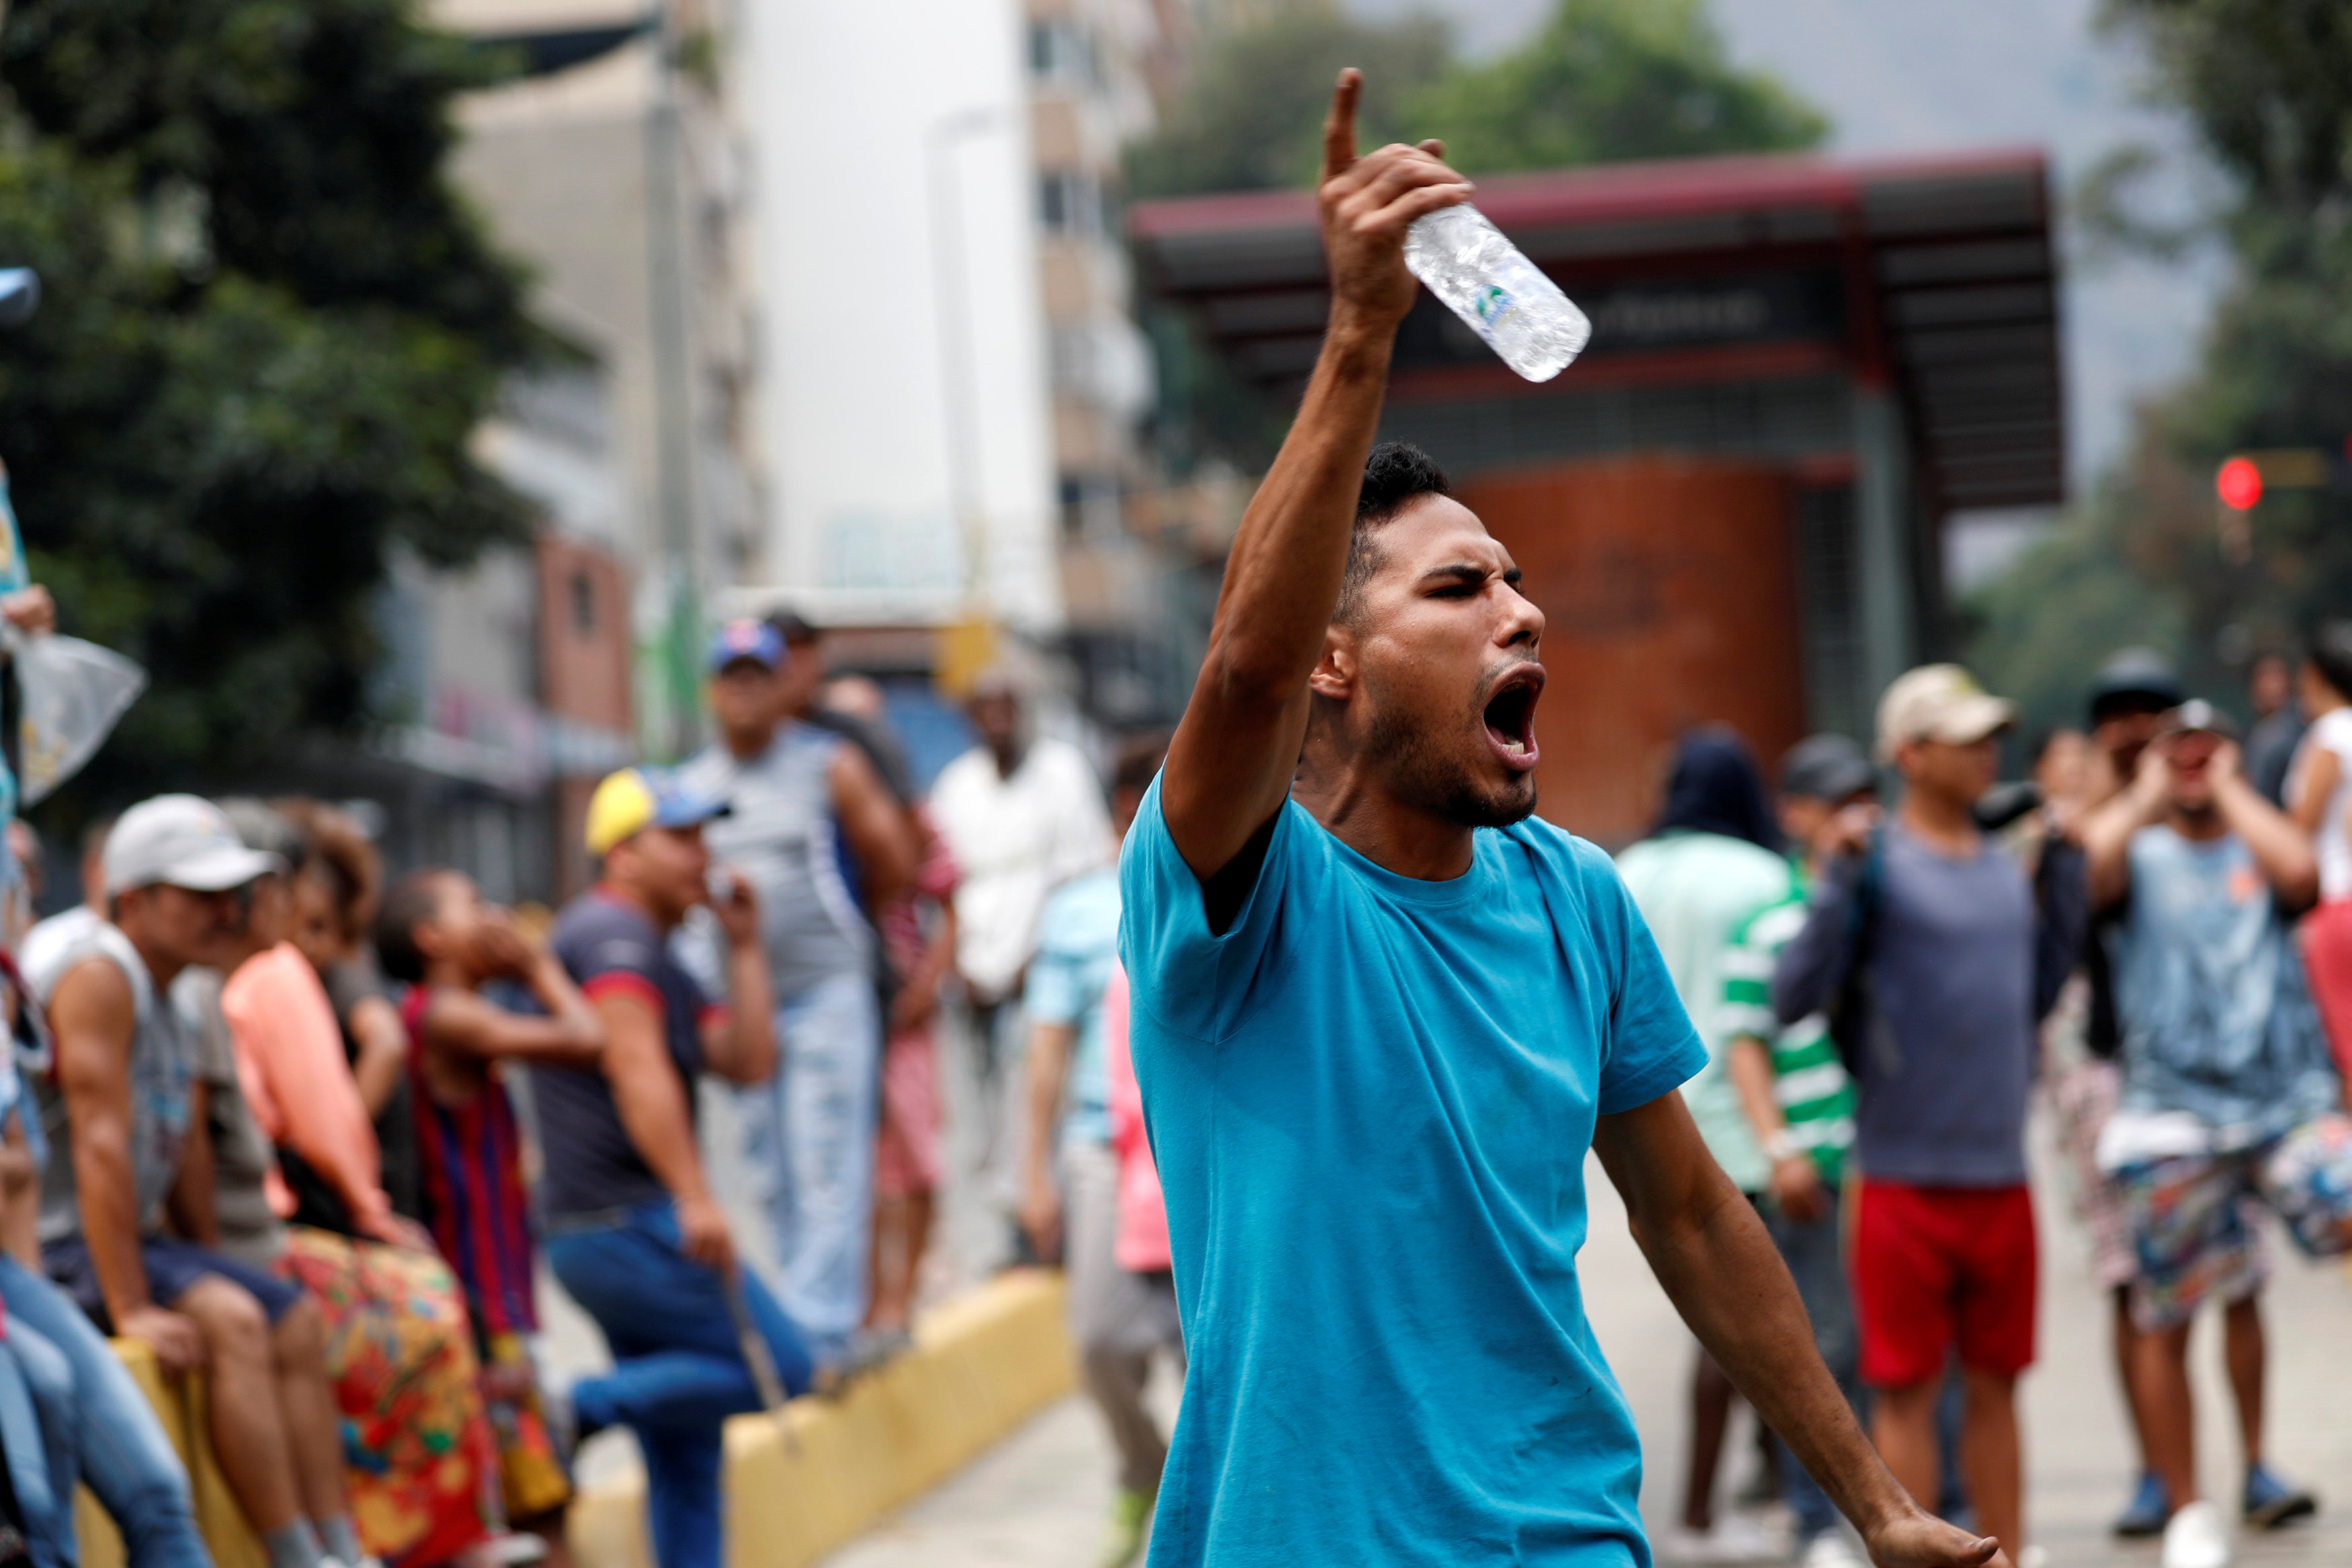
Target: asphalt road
x=1039 y=1498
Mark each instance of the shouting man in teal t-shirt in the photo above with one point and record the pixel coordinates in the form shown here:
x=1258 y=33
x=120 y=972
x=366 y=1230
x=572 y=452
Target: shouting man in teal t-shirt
x=1379 y=1016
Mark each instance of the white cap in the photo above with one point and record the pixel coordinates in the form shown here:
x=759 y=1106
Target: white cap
x=182 y=841
x=1938 y=702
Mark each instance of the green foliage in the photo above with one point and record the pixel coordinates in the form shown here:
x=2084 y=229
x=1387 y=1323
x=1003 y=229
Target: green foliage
x=1609 y=80
x=2069 y=604
x=270 y=328
x=2267 y=87
x=1606 y=79
x=1251 y=116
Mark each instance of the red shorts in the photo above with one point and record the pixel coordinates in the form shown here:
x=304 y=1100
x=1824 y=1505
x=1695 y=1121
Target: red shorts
x=1940 y=1267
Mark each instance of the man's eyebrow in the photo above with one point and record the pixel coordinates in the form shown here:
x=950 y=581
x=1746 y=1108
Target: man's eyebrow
x=1469 y=573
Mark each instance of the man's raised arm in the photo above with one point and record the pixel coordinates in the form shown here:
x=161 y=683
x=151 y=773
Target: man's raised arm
x=1229 y=766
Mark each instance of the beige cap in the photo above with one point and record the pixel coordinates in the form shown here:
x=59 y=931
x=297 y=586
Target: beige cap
x=1940 y=701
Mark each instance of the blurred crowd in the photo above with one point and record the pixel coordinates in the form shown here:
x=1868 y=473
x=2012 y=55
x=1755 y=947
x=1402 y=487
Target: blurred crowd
x=317 y=1133
x=2153 y=934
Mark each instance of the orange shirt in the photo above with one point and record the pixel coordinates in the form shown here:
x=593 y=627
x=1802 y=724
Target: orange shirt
x=291 y=1067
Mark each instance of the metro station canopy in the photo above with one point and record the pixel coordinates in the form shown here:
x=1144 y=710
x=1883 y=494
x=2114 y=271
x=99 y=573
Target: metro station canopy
x=1931 y=279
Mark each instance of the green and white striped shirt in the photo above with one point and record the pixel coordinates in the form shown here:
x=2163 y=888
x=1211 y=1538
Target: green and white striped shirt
x=1809 y=1082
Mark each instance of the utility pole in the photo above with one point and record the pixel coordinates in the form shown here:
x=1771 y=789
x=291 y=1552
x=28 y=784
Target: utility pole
x=672 y=326
x=953 y=292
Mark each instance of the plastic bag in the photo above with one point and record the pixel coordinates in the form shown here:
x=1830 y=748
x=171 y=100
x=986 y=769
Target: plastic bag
x=73 y=694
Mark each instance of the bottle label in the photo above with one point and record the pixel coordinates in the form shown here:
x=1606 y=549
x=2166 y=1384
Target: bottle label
x=1491 y=303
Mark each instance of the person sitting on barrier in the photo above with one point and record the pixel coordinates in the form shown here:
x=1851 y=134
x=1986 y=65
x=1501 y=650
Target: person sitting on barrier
x=127 y=1118
x=632 y=1230
x=297 y=1193
x=438 y=936
x=113 y=1439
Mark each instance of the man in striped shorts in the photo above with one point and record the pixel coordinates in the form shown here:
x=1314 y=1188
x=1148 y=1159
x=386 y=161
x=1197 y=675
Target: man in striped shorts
x=1799 y=1102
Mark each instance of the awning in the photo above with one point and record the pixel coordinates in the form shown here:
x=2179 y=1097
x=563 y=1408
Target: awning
x=1934 y=275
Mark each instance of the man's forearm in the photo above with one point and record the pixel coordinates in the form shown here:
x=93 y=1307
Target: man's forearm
x=2280 y=849
x=1049 y=1059
x=1726 y=1279
x=653 y=1109
x=109 y=1218
x=752 y=1000
x=1283 y=575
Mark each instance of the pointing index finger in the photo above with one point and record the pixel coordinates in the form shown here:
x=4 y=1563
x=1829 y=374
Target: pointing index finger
x=1340 y=125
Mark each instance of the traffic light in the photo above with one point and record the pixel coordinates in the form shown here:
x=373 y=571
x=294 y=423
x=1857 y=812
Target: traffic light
x=2239 y=484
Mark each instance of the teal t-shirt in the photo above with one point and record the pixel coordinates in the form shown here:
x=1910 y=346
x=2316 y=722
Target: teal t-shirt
x=1371 y=1100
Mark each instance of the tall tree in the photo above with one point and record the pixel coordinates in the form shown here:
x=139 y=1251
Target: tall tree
x=1608 y=80
x=2266 y=87
x=271 y=328
x=1250 y=114
x=1604 y=80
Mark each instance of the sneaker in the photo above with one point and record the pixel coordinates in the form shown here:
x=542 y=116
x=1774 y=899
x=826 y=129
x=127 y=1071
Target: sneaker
x=1736 y=1538
x=2196 y=1538
x=1130 y=1517
x=2272 y=1500
x=1830 y=1549
x=2150 y=1506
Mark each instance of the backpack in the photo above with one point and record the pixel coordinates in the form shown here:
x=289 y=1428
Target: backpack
x=1850 y=1010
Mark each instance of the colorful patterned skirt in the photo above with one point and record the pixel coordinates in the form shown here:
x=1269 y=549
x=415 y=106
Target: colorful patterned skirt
x=417 y=1445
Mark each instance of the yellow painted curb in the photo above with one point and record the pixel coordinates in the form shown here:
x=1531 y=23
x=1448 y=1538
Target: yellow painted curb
x=982 y=1364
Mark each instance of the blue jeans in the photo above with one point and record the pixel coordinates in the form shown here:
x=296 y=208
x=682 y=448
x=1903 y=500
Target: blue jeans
x=809 y=1140
x=36 y=1426
x=108 y=1434
x=680 y=1371
x=1817 y=1262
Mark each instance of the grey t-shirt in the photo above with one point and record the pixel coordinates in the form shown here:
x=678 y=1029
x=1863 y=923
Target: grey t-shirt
x=1948 y=1051
x=163 y=1067
x=781 y=834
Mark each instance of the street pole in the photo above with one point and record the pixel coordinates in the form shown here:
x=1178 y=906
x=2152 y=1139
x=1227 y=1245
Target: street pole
x=954 y=297
x=672 y=328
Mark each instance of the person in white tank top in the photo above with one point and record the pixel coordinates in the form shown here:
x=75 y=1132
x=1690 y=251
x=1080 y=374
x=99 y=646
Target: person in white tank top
x=2319 y=784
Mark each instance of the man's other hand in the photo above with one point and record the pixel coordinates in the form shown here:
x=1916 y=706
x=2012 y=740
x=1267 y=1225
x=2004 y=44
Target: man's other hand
x=1920 y=1540
x=738 y=909
x=1848 y=833
x=1368 y=204
x=178 y=1344
x=1797 y=1188
x=1041 y=1218
x=703 y=1235
x=30 y=611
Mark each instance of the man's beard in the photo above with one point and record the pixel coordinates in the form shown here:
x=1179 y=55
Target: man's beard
x=1420 y=773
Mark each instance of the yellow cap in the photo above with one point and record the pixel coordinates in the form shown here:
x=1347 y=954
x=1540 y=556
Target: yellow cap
x=635 y=798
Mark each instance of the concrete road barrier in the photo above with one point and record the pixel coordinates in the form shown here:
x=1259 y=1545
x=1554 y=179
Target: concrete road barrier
x=798 y=1484
x=828 y=1471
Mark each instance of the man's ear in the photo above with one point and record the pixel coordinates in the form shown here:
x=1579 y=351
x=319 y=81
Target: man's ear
x=1334 y=675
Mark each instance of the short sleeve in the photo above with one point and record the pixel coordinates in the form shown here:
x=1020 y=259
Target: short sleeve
x=1188 y=977
x=612 y=959
x=1055 y=992
x=1746 y=1011
x=1652 y=1047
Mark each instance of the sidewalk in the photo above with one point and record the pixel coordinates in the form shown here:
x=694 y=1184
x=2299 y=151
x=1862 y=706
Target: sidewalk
x=1038 y=1500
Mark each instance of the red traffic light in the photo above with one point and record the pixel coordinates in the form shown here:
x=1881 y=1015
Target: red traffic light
x=2239 y=484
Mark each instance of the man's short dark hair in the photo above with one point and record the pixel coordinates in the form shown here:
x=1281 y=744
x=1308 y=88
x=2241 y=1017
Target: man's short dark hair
x=2331 y=653
x=1396 y=474
x=414 y=900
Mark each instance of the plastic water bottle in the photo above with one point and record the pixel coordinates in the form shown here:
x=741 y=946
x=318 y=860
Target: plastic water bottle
x=1503 y=296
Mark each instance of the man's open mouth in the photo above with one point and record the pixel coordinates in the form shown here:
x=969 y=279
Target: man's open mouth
x=1510 y=717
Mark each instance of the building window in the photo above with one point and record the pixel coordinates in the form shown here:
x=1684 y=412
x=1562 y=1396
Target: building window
x=1061 y=52
x=1070 y=202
